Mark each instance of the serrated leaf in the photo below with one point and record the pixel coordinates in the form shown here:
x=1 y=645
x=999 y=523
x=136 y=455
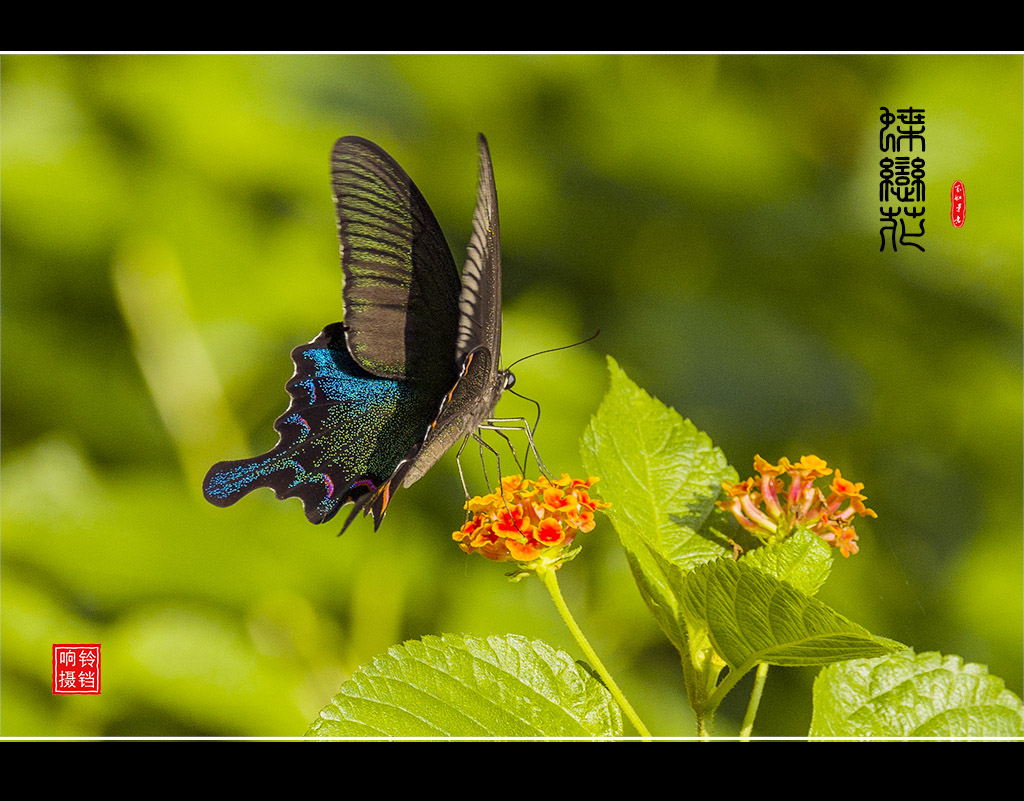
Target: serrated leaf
x=803 y=560
x=662 y=476
x=752 y=617
x=908 y=695
x=463 y=686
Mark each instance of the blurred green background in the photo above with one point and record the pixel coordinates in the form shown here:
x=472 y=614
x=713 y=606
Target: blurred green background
x=168 y=237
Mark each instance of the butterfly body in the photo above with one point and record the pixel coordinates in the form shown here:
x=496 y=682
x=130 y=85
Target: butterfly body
x=378 y=399
x=466 y=408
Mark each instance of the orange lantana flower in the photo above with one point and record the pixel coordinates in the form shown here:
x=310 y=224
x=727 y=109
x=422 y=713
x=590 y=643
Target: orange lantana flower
x=770 y=510
x=529 y=521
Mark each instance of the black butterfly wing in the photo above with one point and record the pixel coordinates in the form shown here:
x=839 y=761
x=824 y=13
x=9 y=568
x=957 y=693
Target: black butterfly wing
x=365 y=392
x=478 y=346
x=401 y=284
x=480 y=298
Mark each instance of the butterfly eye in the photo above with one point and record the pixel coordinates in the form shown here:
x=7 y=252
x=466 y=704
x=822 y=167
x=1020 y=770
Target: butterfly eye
x=510 y=381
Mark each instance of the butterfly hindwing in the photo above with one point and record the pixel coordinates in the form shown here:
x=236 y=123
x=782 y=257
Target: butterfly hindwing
x=341 y=437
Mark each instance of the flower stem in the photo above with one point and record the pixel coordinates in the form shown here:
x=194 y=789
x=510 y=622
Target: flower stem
x=551 y=582
x=755 y=701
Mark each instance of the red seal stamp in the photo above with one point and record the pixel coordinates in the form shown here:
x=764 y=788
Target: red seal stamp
x=957 y=204
x=76 y=669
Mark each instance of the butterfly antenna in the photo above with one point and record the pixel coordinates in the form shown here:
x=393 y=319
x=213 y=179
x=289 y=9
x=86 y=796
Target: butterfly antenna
x=554 y=350
x=521 y=423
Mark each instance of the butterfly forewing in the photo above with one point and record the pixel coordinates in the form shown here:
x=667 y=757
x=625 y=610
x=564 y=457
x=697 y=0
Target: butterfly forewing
x=400 y=279
x=480 y=298
x=471 y=402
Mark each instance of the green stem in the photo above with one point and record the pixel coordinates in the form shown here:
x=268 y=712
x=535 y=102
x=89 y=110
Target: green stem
x=722 y=690
x=697 y=695
x=755 y=701
x=551 y=582
x=703 y=725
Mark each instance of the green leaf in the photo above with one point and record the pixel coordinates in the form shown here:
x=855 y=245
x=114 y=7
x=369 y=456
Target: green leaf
x=462 y=686
x=908 y=695
x=803 y=559
x=662 y=476
x=752 y=617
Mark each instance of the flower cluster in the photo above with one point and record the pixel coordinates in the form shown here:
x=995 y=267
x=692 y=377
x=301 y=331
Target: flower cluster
x=770 y=510
x=529 y=521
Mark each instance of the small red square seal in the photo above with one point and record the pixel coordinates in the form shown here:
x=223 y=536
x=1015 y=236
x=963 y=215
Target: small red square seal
x=76 y=669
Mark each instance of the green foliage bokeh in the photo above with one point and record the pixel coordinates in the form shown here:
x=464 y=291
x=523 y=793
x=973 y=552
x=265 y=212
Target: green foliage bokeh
x=168 y=238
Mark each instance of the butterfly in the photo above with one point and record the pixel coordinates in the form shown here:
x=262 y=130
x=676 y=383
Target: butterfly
x=377 y=399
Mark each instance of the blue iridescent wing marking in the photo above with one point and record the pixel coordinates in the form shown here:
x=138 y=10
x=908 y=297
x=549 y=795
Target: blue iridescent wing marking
x=341 y=438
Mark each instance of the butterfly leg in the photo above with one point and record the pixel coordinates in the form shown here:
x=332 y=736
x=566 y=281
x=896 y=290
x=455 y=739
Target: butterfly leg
x=512 y=449
x=483 y=463
x=458 y=463
x=497 y=458
x=518 y=424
